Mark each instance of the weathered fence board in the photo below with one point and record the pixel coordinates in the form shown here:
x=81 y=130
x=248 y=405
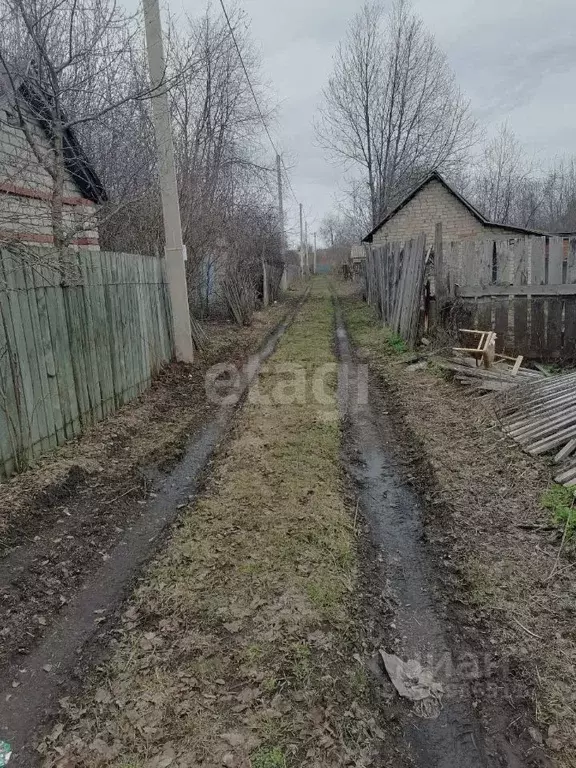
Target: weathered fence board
x=477 y=291
x=570 y=329
x=555 y=261
x=537 y=261
x=554 y=326
x=484 y=313
x=77 y=340
x=394 y=282
x=501 y=321
x=523 y=288
x=571 y=261
x=520 y=309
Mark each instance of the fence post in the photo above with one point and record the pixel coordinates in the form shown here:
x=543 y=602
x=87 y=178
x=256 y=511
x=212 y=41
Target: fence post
x=439 y=269
x=265 y=286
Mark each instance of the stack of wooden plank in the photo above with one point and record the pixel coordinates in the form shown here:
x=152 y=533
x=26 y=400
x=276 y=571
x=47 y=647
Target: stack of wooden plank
x=541 y=417
x=501 y=377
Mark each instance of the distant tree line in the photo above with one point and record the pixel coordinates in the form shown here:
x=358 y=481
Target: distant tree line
x=392 y=113
x=510 y=187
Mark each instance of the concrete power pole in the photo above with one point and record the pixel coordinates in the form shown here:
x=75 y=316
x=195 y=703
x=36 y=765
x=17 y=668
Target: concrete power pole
x=301 y=242
x=284 y=280
x=174 y=251
x=281 y=204
x=315 y=252
x=306 y=254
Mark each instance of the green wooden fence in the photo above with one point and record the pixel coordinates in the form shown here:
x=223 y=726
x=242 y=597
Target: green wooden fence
x=79 y=337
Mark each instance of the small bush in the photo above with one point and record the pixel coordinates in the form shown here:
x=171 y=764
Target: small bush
x=560 y=501
x=366 y=330
x=269 y=758
x=397 y=343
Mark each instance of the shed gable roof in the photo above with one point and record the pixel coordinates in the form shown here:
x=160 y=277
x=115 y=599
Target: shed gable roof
x=77 y=164
x=435 y=176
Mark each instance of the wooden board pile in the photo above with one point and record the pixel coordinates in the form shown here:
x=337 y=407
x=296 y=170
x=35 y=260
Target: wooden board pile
x=501 y=377
x=541 y=417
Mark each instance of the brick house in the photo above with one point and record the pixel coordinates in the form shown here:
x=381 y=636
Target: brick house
x=432 y=201
x=26 y=187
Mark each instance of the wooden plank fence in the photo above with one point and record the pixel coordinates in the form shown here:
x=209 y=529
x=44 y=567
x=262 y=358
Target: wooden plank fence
x=394 y=282
x=522 y=288
x=78 y=339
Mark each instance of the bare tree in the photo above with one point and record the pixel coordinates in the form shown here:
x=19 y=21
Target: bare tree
x=392 y=111
x=557 y=195
x=71 y=67
x=215 y=121
x=339 y=230
x=509 y=187
x=223 y=180
x=503 y=179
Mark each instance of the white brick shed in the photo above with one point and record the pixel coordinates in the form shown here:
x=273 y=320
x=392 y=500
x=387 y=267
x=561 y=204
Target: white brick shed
x=26 y=187
x=433 y=201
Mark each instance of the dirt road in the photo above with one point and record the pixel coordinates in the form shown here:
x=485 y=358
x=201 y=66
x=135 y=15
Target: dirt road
x=255 y=636
x=83 y=535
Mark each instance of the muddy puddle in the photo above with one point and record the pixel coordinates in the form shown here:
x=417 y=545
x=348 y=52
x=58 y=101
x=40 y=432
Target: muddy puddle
x=444 y=731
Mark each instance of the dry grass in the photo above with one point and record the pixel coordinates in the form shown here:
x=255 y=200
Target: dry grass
x=237 y=648
x=485 y=513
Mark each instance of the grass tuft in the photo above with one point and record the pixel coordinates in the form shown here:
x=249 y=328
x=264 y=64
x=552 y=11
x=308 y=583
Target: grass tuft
x=269 y=758
x=366 y=329
x=561 y=500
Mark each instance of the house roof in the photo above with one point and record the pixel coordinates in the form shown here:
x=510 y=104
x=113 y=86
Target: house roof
x=77 y=163
x=435 y=176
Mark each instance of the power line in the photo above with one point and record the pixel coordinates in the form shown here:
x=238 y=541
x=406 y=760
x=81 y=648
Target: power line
x=288 y=180
x=253 y=92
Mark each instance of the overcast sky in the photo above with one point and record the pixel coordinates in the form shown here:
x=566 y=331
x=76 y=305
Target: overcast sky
x=514 y=59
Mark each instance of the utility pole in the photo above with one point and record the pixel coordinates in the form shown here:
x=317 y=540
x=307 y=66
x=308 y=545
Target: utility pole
x=174 y=246
x=306 y=247
x=284 y=280
x=280 y=204
x=315 y=252
x=301 y=242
